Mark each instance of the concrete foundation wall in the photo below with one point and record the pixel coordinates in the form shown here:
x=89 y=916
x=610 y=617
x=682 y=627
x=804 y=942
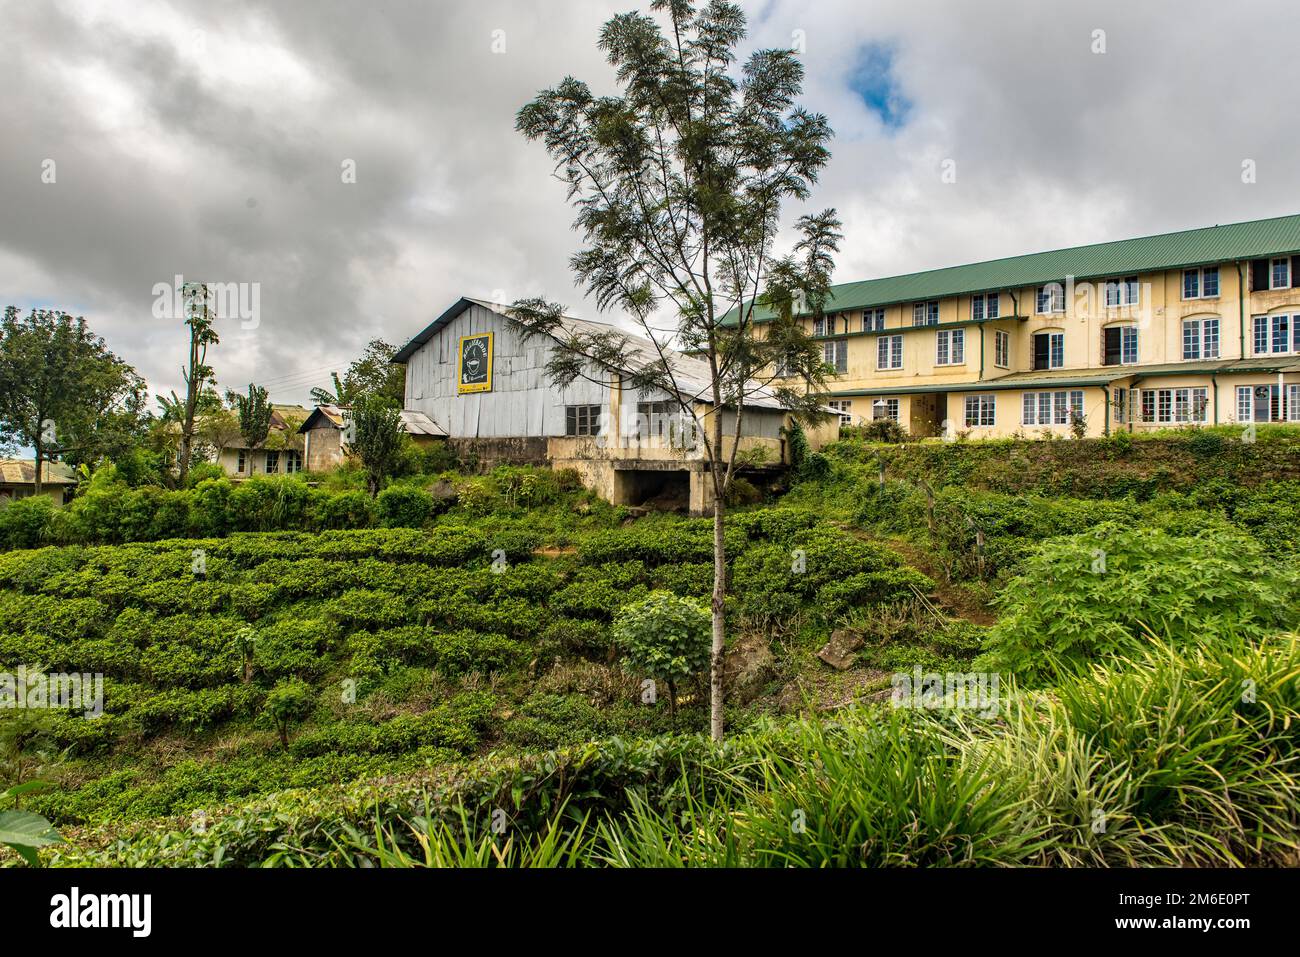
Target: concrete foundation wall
x=491 y=452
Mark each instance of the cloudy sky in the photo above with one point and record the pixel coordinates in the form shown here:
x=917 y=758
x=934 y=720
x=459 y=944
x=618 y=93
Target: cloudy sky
x=210 y=141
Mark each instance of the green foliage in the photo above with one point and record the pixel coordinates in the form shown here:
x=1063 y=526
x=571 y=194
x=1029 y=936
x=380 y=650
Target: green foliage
x=1163 y=747
x=880 y=430
x=24 y=522
x=63 y=393
x=254 y=411
x=23 y=831
x=822 y=567
x=1083 y=597
x=403 y=506
x=376 y=438
x=665 y=637
x=352 y=509
x=288 y=703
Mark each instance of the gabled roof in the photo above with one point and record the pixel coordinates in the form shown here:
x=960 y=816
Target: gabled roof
x=691 y=375
x=23 y=472
x=1190 y=247
x=324 y=416
x=335 y=417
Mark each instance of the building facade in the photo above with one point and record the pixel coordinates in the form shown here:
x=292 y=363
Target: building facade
x=18 y=480
x=1194 y=327
x=482 y=382
x=280 y=454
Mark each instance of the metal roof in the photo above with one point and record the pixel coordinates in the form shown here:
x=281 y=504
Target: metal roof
x=417 y=423
x=691 y=375
x=1191 y=247
x=23 y=472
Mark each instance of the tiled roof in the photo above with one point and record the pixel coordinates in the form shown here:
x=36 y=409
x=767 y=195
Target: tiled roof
x=23 y=472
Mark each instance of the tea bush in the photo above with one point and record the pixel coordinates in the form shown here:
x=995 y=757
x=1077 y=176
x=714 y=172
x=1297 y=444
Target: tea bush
x=1088 y=596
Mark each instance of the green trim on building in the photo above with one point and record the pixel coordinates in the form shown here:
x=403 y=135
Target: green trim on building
x=1083 y=378
x=1256 y=239
x=932 y=327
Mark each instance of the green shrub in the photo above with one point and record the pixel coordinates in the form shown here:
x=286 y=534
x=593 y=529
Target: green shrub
x=349 y=509
x=665 y=637
x=288 y=703
x=403 y=506
x=24 y=522
x=1096 y=594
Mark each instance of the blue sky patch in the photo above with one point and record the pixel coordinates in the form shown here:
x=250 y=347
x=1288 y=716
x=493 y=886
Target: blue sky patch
x=874 y=81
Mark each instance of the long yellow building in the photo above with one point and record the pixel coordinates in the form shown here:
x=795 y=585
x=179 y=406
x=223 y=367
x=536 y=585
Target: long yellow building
x=1194 y=327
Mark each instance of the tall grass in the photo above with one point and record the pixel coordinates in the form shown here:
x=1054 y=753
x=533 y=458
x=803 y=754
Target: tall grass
x=1172 y=755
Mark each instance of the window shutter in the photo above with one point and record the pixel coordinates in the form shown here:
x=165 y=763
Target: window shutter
x=1258 y=274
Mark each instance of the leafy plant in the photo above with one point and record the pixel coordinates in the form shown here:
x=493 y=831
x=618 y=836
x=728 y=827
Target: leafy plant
x=24 y=831
x=1083 y=597
x=665 y=637
x=288 y=703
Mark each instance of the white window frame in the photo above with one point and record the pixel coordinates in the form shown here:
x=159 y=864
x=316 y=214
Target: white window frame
x=950 y=347
x=892 y=347
x=1048 y=408
x=1201 y=350
x=1288 y=410
x=1277 y=329
x=981 y=410
x=835 y=352
x=890 y=411
x=1128 y=345
x=1200 y=275
x=1054 y=339
x=845 y=408
x=928 y=311
x=1001 y=349
x=1128 y=292
x=1054 y=294
x=1177 y=405
x=1272 y=272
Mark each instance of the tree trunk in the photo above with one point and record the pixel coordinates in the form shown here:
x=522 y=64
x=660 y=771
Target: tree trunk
x=719 y=632
x=39 y=450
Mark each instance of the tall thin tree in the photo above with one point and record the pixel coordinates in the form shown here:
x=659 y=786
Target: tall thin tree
x=678 y=183
x=198 y=375
x=254 y=411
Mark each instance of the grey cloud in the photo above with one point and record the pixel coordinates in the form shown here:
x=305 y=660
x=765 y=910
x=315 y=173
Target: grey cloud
x=157 y=160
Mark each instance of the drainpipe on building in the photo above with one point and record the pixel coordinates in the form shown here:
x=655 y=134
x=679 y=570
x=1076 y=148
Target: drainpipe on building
x=1241 y=309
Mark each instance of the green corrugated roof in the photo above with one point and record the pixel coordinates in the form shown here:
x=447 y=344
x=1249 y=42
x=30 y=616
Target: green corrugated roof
x=1190 y=247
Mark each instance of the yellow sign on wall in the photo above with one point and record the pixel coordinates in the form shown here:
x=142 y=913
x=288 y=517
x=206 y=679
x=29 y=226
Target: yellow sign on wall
x=475 y=363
